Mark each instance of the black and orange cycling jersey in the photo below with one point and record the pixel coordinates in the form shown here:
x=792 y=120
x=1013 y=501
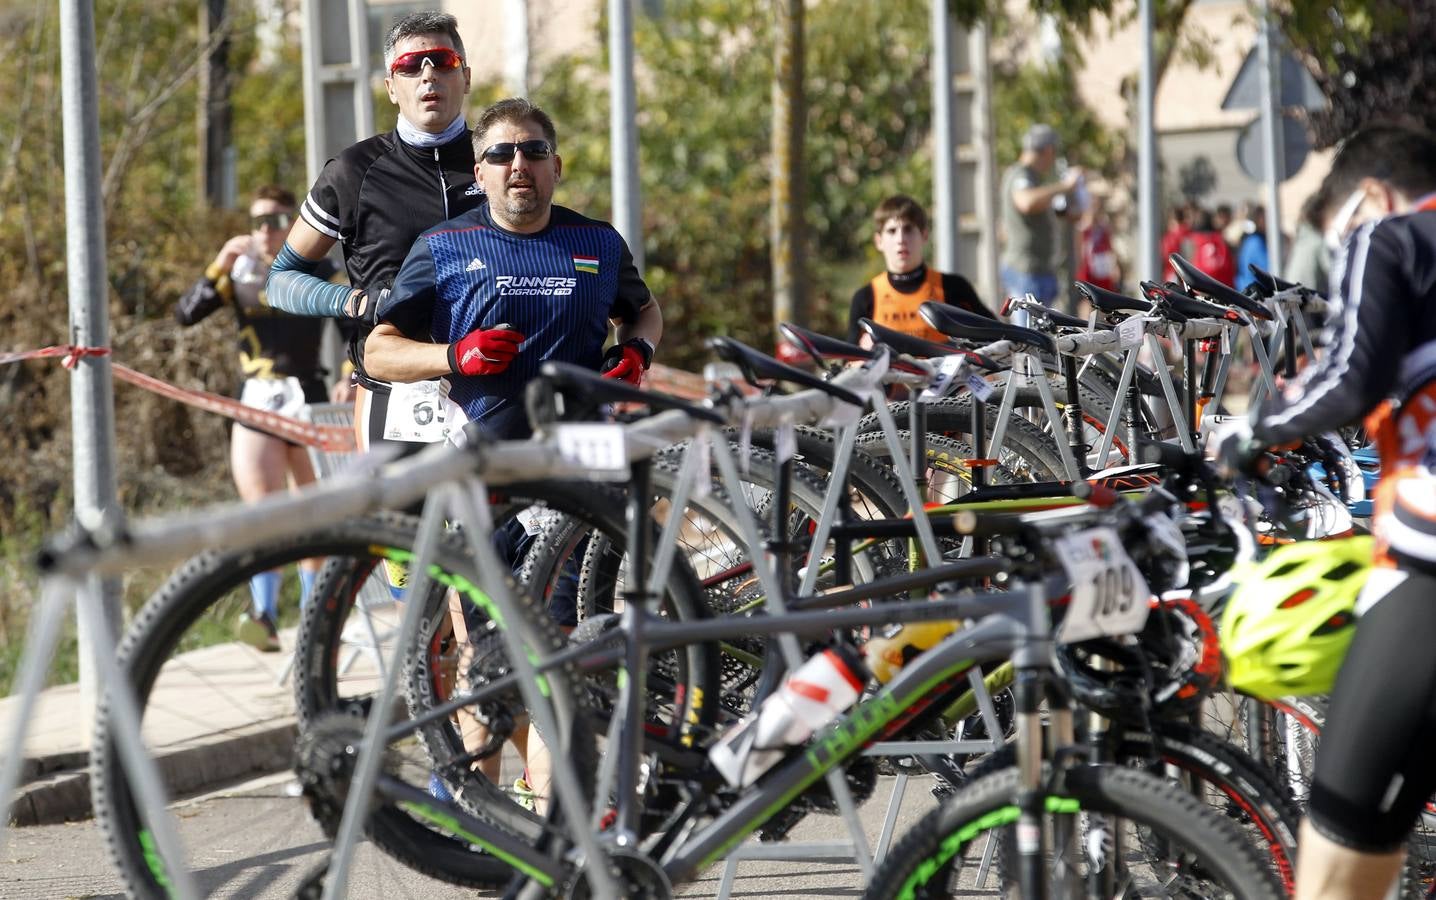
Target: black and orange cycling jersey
x=893 y=300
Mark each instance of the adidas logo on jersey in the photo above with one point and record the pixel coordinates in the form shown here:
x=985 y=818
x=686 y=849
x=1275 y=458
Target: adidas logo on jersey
x=474 y=190
x=476 y=265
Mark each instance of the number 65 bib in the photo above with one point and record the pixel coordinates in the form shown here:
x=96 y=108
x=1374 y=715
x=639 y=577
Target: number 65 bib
x=422 y=413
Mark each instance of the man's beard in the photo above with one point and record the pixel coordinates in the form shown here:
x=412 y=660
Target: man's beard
x=525 y=206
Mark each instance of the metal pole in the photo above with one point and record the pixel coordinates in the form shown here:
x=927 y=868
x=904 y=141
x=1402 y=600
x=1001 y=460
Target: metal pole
x=983 y=144
x=1273 y=153
x=789 y=118
x=359 y=58
x=623 y=128
x=314 y=131
x=92 y=400
x=1148 y=266
x=516 y=48
x=944 y=142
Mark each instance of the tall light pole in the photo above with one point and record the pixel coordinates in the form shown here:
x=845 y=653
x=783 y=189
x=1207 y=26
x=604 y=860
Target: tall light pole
x=944 y=141
x=92 y=393
x=623 y=128
x=1273 y=151
x=1148 y=267
x=789 y=121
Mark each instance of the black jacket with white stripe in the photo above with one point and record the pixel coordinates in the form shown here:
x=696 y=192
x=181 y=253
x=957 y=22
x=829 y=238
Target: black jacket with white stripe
x=1381 y=332
x=377 y=196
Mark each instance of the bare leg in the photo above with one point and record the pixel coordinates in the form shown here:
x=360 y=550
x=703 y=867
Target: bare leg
x=1325 y=870
x=301 y=472
x=258 y=462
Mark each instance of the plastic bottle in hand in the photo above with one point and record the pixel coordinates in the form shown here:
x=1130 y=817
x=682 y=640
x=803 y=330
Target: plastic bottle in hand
x=816 y=694
x=885 y=656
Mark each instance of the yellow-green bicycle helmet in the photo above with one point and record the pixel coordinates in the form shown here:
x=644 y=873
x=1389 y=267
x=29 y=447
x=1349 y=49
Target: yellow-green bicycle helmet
x=1287 y=627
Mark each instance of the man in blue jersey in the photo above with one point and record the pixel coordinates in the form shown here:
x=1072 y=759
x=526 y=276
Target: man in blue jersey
x=485 y=298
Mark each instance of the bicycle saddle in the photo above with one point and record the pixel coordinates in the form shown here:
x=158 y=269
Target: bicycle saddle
x=959 y=323
x=1268 y=283
x=901 y=342
x=586 y=390
x=756 y=366
x=1189 y=307
x=1111 y=301
x=1197 y=280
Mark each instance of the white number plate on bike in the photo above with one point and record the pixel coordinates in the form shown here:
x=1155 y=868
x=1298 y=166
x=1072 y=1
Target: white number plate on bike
x=599 y=448
x=1109 y=594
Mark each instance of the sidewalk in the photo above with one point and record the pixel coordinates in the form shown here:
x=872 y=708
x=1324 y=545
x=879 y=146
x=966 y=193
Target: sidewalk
x=216 y=715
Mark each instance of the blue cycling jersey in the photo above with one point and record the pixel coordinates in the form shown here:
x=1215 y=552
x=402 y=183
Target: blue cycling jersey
x=558 y=288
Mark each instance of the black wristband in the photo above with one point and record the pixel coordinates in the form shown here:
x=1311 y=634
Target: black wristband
x=644 y=348
x=453 y=352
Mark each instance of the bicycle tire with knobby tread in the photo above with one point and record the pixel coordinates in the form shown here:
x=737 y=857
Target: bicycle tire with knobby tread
x=926 y=851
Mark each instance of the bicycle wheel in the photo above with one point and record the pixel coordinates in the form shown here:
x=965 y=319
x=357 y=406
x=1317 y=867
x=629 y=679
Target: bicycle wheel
x=1131 y=834
x=948 y=474
x=157 y=656
x=1026 y=454
x=710 y=541
x=1291 y=738
x=1227 y=780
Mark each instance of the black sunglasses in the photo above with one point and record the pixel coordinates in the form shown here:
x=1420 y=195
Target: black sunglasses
x=277 y=221
x=501 y=154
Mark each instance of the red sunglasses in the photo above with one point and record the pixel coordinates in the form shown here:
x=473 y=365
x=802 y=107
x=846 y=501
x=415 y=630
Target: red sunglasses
x=412 y=63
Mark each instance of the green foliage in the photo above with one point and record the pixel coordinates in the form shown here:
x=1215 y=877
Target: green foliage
x=704 y=86
x=1039 y=92
x=158 y=240
x=1373 y=59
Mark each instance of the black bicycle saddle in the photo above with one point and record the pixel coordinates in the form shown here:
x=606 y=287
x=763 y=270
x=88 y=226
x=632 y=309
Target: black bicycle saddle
x=1197 y=280
x=960 y=323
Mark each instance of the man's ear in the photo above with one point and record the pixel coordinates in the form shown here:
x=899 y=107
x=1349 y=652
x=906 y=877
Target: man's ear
x=389 y=86
x=1381 y=192
x=557 y=167
x=878 y=239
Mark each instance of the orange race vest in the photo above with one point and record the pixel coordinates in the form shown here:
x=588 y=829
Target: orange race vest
x=898 y=311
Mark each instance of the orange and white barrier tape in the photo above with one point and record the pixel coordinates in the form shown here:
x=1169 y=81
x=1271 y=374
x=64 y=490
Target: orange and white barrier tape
x=329 y=438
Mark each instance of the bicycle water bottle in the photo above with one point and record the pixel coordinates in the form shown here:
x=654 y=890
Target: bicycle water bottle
x=816 y=694
x=885 y=656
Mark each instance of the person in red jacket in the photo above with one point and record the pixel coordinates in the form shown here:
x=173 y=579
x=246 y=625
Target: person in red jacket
x=1209 y=251
x=1096 y=260
x=1177 y=231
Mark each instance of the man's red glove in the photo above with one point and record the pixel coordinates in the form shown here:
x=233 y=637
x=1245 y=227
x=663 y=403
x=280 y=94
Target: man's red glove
x=484 y=351
x=627 y=361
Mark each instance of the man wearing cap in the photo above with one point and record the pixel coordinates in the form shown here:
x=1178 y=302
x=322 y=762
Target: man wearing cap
x=1029 y=216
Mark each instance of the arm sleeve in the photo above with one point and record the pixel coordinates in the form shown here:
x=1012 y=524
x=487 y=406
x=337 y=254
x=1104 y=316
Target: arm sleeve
x=1367 y=337
x=204 y=297
x=958 y=291
x=633 y=293
x=410 y=303
x=860 y=308
x=299 y=286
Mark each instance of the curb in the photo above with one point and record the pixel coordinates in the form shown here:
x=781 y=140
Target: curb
x=57 y=788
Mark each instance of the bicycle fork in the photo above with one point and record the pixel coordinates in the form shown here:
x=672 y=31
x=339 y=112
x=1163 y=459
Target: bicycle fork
x=1032 y=662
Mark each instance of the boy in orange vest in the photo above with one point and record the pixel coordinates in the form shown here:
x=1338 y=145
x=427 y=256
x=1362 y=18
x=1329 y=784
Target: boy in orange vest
x=893 y=297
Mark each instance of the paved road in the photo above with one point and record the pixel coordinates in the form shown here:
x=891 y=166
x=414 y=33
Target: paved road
x=256 y=840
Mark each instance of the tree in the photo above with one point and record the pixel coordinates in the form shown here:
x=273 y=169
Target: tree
x=1374 y=61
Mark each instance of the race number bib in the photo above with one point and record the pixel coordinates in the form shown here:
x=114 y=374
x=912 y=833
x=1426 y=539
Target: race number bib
x=952 y=371
x=422 y=413
x=1109 y=594
x=282 y=396
x=599 y=448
